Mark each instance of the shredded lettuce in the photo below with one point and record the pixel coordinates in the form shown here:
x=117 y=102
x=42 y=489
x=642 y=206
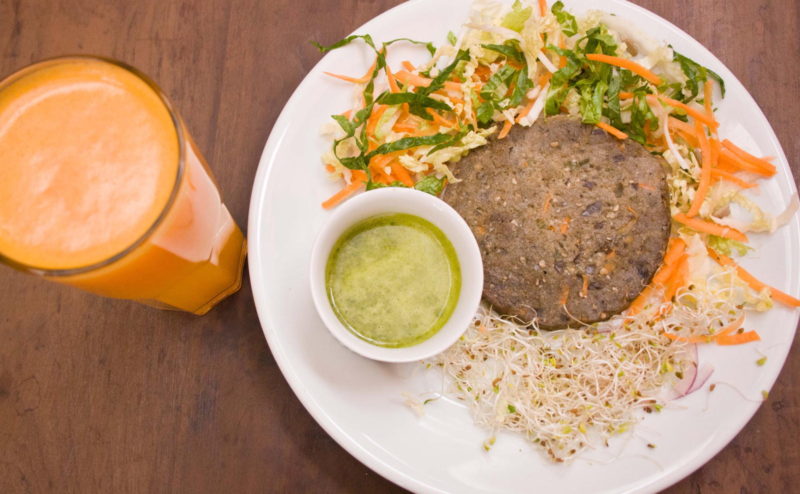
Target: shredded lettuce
x=515 y=19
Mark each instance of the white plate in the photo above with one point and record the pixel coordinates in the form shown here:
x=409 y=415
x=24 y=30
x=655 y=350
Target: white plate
x=358 y=401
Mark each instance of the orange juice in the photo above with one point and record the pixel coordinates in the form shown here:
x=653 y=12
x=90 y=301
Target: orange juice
x=102 y=188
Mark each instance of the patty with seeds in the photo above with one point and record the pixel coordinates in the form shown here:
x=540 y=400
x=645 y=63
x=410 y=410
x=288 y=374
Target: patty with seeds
x=572 y=223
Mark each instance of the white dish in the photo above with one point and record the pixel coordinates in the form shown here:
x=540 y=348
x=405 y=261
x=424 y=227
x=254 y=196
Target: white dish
x=426 y=206
x=359 y=402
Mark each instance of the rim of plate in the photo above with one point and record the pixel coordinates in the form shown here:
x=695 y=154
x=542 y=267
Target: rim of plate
x=341 y=436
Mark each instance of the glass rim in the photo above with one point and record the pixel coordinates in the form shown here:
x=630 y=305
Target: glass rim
x=177 y=124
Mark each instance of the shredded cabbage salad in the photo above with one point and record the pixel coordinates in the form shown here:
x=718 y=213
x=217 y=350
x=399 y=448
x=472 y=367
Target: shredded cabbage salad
x=512 y=65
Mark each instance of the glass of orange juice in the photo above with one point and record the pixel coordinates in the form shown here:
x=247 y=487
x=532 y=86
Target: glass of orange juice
x=102 y=188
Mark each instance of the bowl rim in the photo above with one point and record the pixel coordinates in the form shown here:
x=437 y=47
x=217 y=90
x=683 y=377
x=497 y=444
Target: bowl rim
x=429 y=207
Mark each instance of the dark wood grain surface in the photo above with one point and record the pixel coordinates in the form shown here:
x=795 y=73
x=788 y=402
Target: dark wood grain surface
x=100 y=395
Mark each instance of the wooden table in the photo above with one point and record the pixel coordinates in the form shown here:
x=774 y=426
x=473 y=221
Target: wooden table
x=107 y=396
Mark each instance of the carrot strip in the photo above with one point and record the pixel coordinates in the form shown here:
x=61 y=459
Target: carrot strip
x=727 y=157
x=638 y=304
x=505 y=130
x=752 y=282
x=372 y=121
x=545 y=78
x=709 y=337
x=440 y=120
x=678 y=279
x=685 y=130
x=626 y=64
x=401 y=173
x=744 y=155
x=343 y=194
x=408 y=78
x=710 y=227
x=696 y=114
x=738 y=338
x=730 y=328
x=705 y=170
x=525 y=111
x=675 y=250
x=408 y=66
x=625 y=95
x=393 y=87
x=584 y=287
x=612 y=130
x=730 y=177
x=356 y=80
x=542 y=8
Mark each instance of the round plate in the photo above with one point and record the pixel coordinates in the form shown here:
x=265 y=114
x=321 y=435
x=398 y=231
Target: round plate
x=360 y=402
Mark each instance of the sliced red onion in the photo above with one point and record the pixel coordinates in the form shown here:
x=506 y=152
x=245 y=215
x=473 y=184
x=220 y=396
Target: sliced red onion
x=702 y=375
x=681 y=388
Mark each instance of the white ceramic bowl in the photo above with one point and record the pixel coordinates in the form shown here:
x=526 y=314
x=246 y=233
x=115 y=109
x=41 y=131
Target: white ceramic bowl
x=433 y=209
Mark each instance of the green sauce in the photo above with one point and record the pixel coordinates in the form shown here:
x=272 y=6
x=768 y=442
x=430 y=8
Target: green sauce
x=393 y=280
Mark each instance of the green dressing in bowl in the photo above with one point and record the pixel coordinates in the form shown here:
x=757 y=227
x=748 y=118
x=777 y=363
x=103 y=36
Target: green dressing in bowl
x=393 y=280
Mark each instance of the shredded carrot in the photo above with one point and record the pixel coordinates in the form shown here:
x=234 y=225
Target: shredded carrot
x=372 y=121
x=356 y=80
x=738 y=338
x=379 y=163
x=696 y=114
x=675 y=250
x=705 y=170
x=708 y=338
x=685 y=130
x=347 y=114
x=638 y=304
x=443 y=122
x=612 y=130
x=744 y=155
x=730 y=177
x=646 y=186
x=393 y=87
x=626 y=64
x=542 y=8
x=330 y=168
x=585 y=286
x=505 y=130
x=715 y=148
x=401 y=173
x=408 y=66
x=408 y=78
x=730 y=328
x=752 y=282
x=710 y=227
x=525 y=111
x=545 y=78
x=727 y=158
x=343 y=194
x=678 y=279
x=625 y=95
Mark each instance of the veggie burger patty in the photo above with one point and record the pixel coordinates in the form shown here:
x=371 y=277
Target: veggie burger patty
x=571 y=222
